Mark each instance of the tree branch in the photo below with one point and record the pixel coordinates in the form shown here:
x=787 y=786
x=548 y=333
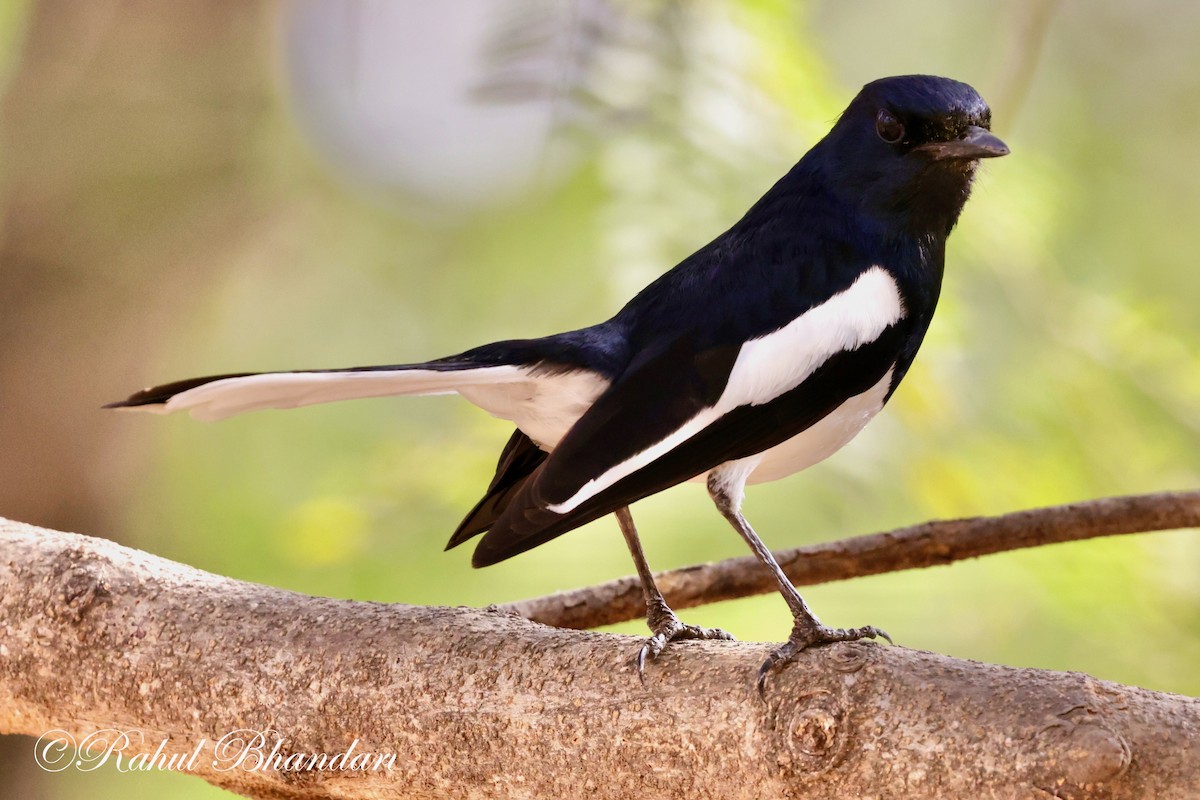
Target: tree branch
x=925 y=545
x=479 y=704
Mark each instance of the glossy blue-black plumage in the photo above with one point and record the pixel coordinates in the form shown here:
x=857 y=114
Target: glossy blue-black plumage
x=853 y=202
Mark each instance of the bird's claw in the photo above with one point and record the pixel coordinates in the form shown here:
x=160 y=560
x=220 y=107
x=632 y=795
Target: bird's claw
x=667 y=628
x=806 y=636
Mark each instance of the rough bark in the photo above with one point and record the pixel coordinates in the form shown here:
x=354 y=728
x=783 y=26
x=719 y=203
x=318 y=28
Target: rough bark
x=486 y=704
x=925 y=545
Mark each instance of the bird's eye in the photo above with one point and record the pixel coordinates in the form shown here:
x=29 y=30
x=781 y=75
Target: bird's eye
x=890 y=129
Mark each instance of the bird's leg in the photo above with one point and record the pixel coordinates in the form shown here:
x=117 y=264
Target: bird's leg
x=807 y=630
x=663 y=623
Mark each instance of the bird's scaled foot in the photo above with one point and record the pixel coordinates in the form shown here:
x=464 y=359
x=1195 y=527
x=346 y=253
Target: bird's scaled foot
x=806 y=634
x=666 y=627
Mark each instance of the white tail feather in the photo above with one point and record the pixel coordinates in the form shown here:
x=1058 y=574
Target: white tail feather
x=230 y=396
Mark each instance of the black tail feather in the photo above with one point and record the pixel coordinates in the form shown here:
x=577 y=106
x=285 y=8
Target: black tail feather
x=161 y=394
x=519 y=459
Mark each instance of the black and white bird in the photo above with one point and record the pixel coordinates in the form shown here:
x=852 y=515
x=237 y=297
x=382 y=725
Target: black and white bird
x=759 y=355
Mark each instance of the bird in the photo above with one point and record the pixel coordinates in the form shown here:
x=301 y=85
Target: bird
x=759 y=355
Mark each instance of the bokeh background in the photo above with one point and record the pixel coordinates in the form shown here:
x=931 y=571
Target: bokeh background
x=212 y=186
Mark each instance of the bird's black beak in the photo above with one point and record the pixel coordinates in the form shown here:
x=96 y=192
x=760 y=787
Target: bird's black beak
x=977 y=142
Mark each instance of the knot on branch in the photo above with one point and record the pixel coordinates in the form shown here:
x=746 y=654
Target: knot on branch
x=81 y=585
x=813 y=727
x=811 y=732
x=815 y=734
x=1089 y=755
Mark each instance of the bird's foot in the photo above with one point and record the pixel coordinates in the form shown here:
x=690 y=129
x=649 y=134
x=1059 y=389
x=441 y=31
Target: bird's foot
x=666 y=627
x=808 y=633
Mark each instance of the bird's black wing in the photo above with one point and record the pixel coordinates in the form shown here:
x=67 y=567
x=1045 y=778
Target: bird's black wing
x=521 y=457
x=653 y=402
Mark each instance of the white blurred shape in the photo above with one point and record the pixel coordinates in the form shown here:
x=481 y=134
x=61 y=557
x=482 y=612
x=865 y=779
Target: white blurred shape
x=383 y=88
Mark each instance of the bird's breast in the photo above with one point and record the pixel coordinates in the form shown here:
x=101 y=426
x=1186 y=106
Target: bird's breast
x=821 y=440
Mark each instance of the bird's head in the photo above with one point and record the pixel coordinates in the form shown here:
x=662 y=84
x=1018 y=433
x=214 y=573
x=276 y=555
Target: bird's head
x=907 y=148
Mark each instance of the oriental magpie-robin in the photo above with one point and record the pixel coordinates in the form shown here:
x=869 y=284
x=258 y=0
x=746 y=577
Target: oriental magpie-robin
x=759 y=355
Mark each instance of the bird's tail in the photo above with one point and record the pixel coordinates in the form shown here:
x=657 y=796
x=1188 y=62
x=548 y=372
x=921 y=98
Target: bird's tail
x=220 y=396
x=518 y=461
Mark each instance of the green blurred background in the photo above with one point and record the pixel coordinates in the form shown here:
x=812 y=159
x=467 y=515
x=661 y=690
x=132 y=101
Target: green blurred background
x=196 y=187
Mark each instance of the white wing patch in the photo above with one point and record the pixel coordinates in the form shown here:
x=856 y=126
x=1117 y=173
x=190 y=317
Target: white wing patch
x=776 y=363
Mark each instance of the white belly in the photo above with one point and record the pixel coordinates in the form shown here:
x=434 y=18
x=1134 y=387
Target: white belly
x=820 y=440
